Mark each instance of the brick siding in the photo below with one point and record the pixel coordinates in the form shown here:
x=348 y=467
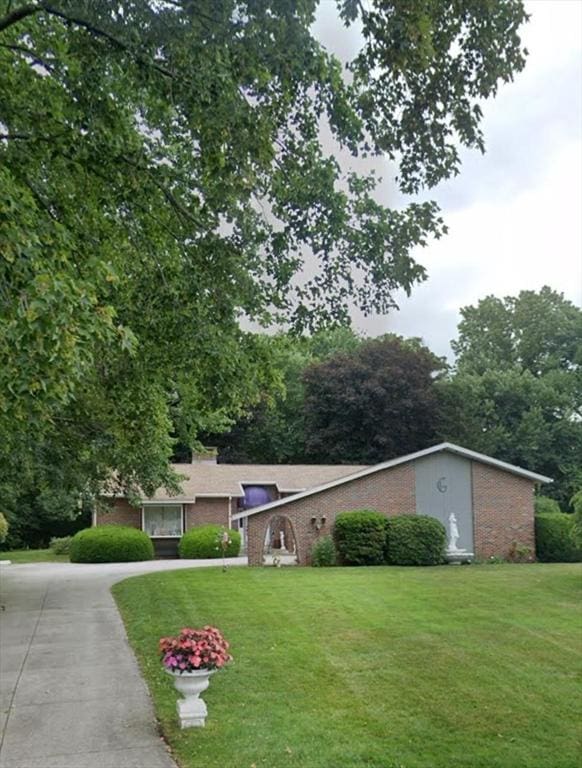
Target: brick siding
x=503 y=511
x=206 y=511
x=391 y=492
x=121 y=513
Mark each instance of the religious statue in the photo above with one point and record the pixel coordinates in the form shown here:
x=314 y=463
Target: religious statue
x=453 y=533
x=282 y=535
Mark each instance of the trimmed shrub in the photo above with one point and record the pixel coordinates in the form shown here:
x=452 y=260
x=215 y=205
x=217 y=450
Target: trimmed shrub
x=3 y=528
x=61 y=546
x=415 y=540
x=544 y=505
x=555 y=539
x=323 y=552
x=576 y=502
x=110 y=544
x=204 y=541
x=360 y=537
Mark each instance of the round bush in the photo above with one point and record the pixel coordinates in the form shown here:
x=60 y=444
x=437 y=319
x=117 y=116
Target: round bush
x=415 y=540
x=360 y=537
x=110 y=544
x=323 y=552
x=3 y=528
x=555 y=539
x=544 y=505
x=204 y=542
x=61 y=545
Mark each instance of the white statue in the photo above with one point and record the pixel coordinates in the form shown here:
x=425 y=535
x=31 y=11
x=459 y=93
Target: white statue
x=282 y=534
x=453 y=533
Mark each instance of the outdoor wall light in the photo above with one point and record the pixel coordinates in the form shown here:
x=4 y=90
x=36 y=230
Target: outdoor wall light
x=318 y=525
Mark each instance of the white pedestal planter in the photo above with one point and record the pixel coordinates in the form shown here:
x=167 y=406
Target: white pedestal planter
x=192 y=709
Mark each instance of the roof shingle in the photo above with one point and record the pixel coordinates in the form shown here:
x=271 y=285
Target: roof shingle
x=227 y=479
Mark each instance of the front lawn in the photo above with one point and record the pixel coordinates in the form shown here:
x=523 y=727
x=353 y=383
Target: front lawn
x=33 y=556
x=468 y=666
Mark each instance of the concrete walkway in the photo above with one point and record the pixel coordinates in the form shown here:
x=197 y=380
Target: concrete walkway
x=71 y=695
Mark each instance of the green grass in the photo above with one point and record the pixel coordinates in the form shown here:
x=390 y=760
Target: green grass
x=474 y=667
x=33 y=556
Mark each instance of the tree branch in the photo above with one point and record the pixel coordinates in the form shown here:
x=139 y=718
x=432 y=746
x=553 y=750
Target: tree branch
x=168 y=194
x=28 y=137
x=13 y=136
x=28 y=10
x=28 y=52
x=17 y=15
x=98 y=32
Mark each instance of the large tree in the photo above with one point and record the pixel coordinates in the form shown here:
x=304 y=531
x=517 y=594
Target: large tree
x=535 y=331
x=272 y=432
x=161 y=174
x=372 y=404
x=517 y=390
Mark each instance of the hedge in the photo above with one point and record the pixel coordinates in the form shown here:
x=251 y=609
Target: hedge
x=110 y=544
x=323 y=552
x=360 y=537
x=555 y=538
x=203 y=542
x=544 y=505
x=415 y=540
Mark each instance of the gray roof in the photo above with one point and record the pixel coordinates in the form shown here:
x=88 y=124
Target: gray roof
x=223 y=480
x=365 y=471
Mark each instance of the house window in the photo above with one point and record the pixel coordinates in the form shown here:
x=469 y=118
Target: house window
x=161 y=520
x=256 y=496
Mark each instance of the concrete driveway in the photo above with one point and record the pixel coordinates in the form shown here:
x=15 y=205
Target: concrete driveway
x=71 y=695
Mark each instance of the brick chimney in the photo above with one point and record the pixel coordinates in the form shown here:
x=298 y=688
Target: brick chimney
x=205 y=456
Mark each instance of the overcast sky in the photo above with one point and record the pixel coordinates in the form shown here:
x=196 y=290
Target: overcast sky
x=514 y=214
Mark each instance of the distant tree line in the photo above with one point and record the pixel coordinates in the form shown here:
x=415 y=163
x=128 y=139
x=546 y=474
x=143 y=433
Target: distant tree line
x=513 y=392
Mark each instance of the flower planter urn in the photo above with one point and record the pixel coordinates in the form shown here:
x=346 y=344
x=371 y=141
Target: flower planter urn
x=192 y=709
x=191 y=657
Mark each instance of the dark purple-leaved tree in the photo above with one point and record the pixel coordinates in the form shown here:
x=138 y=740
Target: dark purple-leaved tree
x=372 y=404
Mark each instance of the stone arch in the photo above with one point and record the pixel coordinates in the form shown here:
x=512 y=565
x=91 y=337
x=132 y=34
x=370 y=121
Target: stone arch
x=279 y=542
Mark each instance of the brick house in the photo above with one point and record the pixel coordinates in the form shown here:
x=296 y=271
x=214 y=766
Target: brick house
x=491 y=503
x=215 y=493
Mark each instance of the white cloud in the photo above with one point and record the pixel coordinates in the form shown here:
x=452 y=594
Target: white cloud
x=553 y=32
x=500 y=248
x=515 y=213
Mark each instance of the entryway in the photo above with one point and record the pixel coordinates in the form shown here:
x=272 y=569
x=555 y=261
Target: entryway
x=280 y=545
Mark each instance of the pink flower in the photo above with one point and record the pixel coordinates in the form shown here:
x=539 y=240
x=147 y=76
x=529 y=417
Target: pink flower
x=195 y=649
